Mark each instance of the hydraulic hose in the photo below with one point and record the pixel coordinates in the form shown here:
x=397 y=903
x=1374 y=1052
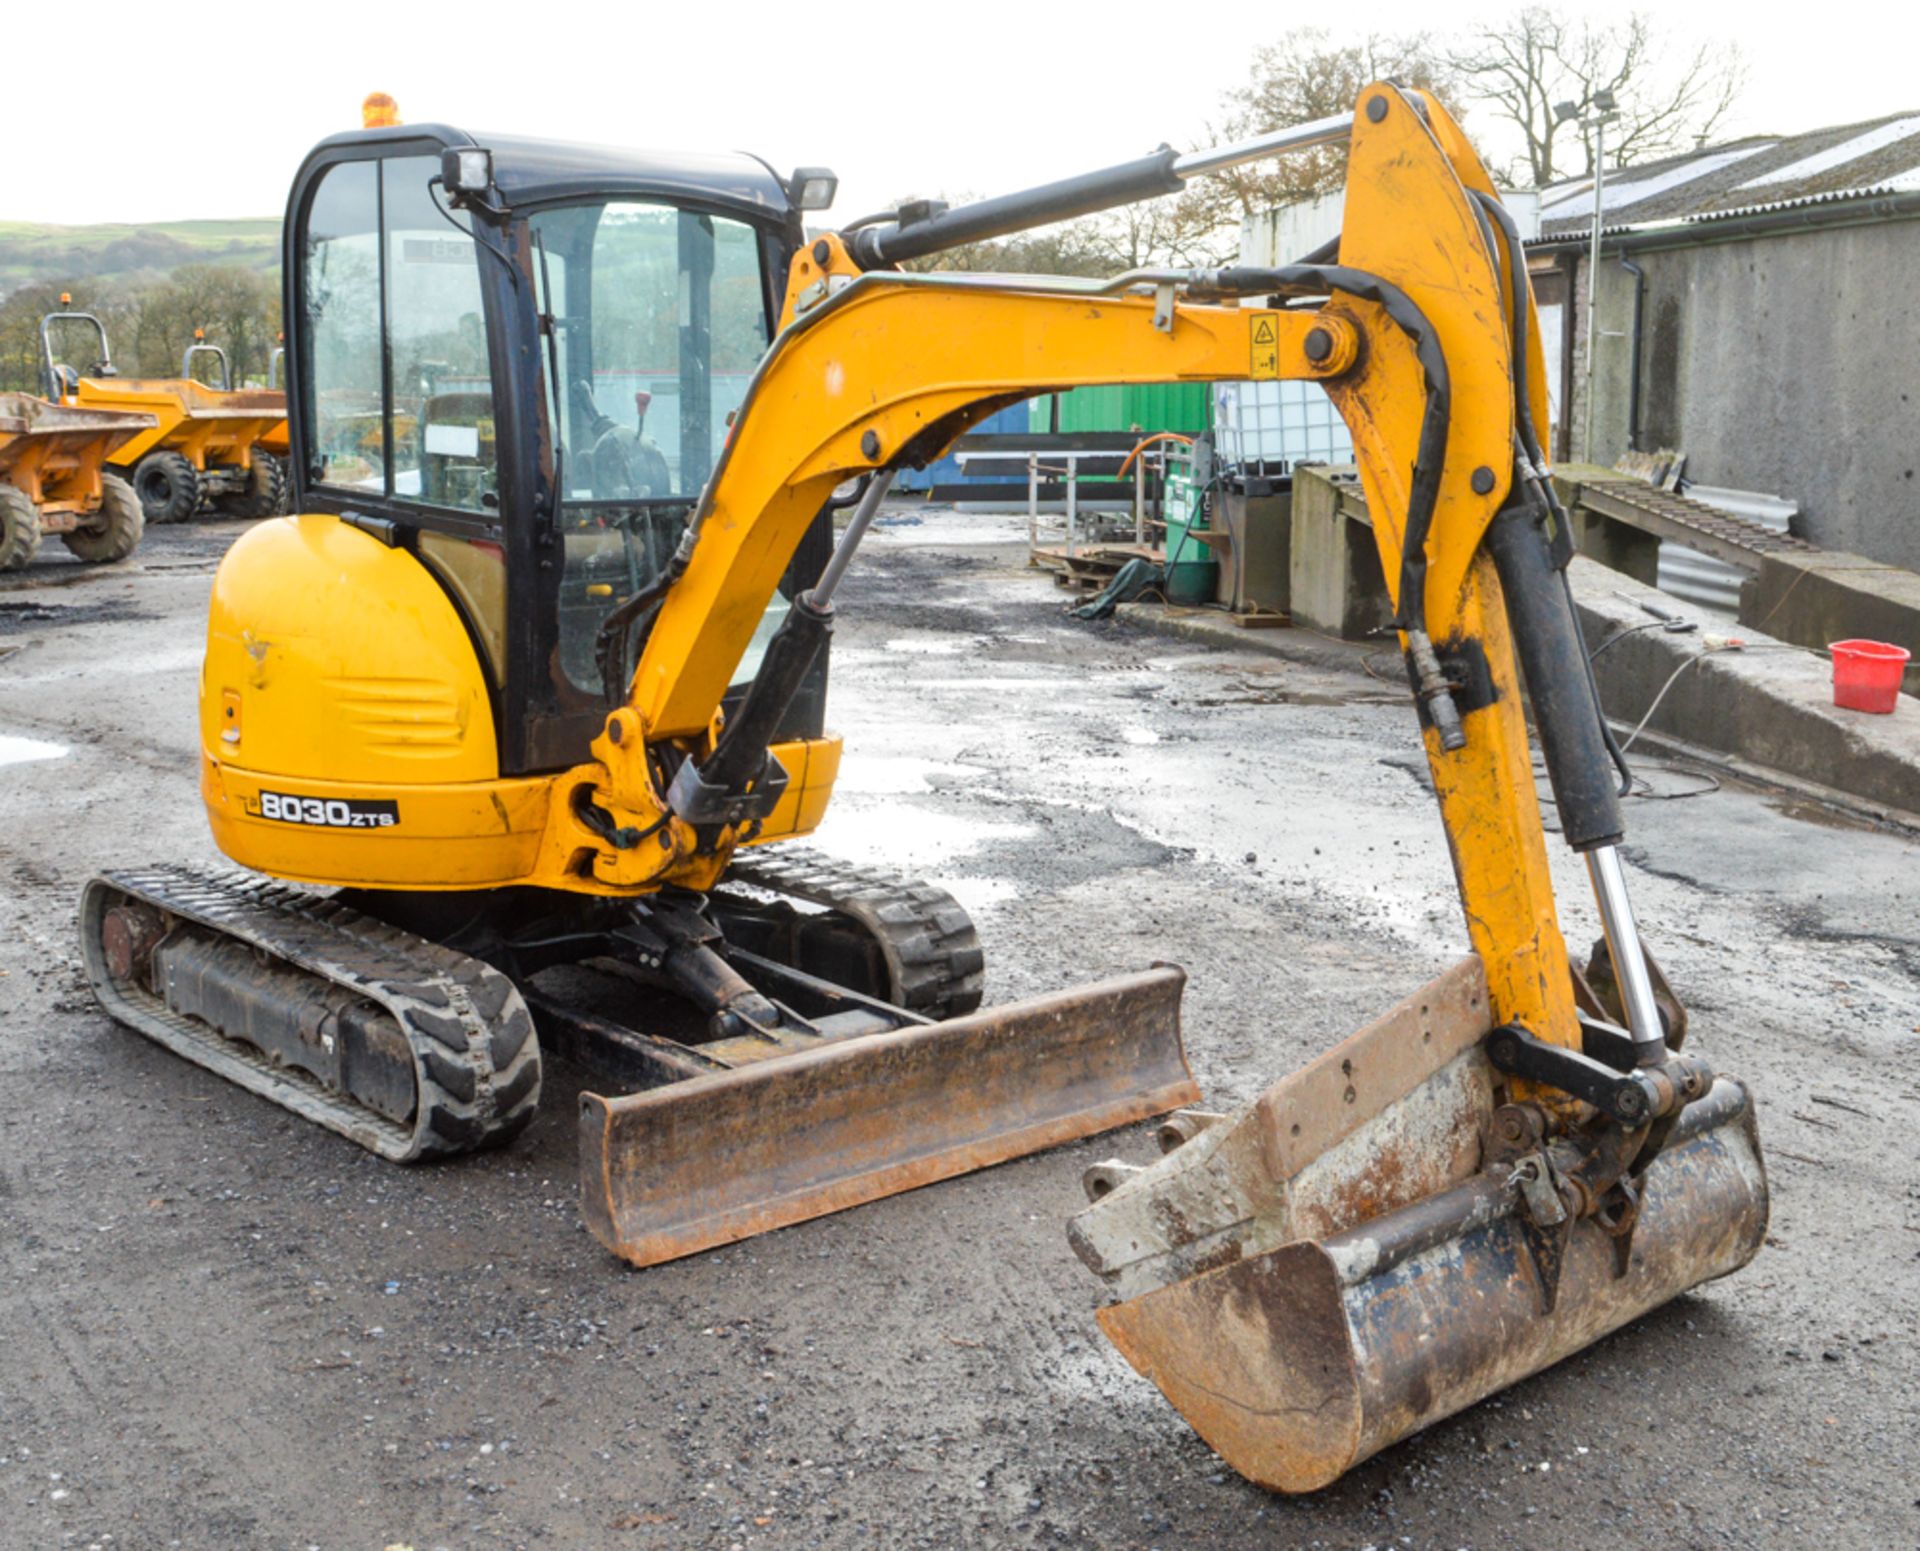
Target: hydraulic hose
x=1575 y=739
x=741 y=755
x=1430 y=456
x=610 y=641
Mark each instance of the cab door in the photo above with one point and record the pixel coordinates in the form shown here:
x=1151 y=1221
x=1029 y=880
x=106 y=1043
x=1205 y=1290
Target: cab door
x=392 y=371
x=654 y=317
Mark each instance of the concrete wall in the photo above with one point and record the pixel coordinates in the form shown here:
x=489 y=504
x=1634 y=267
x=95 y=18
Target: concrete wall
x=1788 y=363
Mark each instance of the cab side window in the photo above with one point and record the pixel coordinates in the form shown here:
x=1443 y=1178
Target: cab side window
x=442 y=415
x=402 y=400
x=345 y=409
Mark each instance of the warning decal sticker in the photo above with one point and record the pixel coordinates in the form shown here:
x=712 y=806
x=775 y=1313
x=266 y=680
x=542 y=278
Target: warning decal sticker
x=1265 y=338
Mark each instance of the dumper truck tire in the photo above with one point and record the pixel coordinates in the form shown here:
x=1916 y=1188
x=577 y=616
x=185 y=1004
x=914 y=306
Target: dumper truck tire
x=19 y=529
x=114 y=531
x=168 y=487
x=266 y=491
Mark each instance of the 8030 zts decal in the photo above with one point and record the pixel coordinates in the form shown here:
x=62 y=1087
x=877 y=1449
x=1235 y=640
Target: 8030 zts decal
x=332 y=813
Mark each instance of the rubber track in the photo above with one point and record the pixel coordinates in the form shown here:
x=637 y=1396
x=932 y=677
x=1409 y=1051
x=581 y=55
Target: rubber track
x=929 y=941
x=476 y=1060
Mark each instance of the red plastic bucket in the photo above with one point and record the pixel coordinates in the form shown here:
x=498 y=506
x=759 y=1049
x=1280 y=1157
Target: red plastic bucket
x=1867 y=674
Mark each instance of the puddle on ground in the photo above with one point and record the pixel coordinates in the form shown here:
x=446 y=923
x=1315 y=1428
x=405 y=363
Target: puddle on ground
x=977 y=895
x=1140 y=737
x=173 y=661
x=1813 y=812
x=29 y=613
x=23 y=751
x=1795 y=805
x=949 y=529
x=987 y=683
x=906 y=838
x=895 y=775
x=1250 y=694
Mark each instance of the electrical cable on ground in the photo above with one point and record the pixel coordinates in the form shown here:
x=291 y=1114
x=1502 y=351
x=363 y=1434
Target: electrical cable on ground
x=1671 y=626
x=1641 y=725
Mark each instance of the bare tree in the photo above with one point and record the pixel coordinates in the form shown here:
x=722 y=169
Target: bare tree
x=1669 y=99
x=1309 y=76
x=239 y=308
x=149 y=326
x=114 y=303
x=1181 y=229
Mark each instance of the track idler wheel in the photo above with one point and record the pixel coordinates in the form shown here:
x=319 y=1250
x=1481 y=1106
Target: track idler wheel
x=128 y=935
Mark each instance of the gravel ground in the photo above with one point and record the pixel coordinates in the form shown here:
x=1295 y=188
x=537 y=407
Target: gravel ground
x=226 y=1329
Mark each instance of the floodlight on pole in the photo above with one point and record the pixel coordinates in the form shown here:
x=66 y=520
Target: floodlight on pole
x=1605 y=114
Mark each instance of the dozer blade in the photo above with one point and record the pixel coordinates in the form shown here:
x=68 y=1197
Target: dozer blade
x=1331 y=1269
x=721 y=1157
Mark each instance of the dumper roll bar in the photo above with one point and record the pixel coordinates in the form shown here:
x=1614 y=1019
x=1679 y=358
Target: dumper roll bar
x=199 y=347
x=102 y=368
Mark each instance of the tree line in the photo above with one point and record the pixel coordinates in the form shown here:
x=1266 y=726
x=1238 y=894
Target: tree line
x=1505 y=81
x=148 y=326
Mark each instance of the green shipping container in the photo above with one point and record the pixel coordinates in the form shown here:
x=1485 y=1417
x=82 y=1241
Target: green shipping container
x=1186 y=407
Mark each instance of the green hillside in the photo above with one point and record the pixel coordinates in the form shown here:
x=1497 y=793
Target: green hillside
x=31 y=251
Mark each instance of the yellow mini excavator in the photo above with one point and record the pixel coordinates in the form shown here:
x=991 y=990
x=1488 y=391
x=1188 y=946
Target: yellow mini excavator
x=533 y=687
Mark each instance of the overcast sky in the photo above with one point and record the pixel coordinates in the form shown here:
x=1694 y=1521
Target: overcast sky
x=988 y=98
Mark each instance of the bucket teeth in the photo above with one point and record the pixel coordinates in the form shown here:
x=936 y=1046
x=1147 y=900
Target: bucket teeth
x=1387 y=1117
x=1336 y=1267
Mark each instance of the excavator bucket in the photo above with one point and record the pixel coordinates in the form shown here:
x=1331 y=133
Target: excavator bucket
x=720 y=1157
x=1338 y=1265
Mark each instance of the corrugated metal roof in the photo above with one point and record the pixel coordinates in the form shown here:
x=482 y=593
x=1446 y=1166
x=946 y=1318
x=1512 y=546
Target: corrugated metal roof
x=1767 y=207
x=1763 y=172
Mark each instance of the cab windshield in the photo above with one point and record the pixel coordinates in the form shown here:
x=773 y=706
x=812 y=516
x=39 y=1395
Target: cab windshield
x=657 y=318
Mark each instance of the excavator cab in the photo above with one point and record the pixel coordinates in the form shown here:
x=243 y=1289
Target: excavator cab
x=529 y=393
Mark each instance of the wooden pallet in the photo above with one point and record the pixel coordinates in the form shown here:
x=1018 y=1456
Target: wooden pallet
x=1090 y=568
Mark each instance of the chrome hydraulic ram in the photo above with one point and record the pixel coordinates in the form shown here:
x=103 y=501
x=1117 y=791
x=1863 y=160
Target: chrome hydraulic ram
x=1572 y=741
